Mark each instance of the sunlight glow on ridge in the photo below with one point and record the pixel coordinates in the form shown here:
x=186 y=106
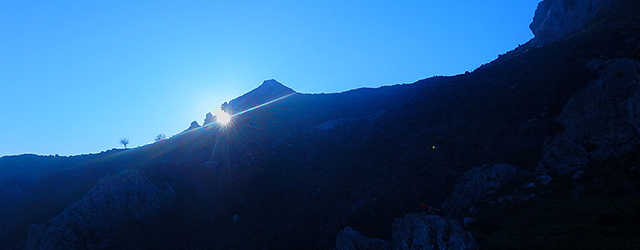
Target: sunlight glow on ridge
x=223 y=118
x=264 y=104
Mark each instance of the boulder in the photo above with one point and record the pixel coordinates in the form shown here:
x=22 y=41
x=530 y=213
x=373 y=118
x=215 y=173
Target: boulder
x=478 y=183
x=600 y=122
x=93 y=221
x=423 y=231
x=349 y=239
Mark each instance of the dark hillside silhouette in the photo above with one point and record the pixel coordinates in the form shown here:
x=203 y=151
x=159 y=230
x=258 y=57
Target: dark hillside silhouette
x=473 y=152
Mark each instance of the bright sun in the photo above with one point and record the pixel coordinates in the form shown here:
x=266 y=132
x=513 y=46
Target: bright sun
x=223 y=118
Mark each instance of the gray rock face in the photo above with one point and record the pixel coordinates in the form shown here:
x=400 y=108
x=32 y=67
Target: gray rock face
x=349 y=239
x=601 y=122
x=413 y=232
x=93 y=221
x=423 y=231
x=194 y=125
x=555 y=19
x=210 y=118
x=478 y=183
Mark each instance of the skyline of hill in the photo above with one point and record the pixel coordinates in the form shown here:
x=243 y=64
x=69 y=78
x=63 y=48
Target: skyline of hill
x=538 y=148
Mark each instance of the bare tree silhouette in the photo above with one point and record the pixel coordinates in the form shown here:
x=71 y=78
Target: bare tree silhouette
x=160 y=137
x=124 y=141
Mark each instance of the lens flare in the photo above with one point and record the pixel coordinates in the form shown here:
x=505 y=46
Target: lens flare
x=226 y=119
x=223 y=118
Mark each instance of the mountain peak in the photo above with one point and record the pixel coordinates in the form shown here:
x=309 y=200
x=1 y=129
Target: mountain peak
x=272 y=82
x=273 y=86
x=268 y=91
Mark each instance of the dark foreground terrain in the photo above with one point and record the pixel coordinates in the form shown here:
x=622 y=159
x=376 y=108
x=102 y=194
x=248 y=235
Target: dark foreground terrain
x=538 y=149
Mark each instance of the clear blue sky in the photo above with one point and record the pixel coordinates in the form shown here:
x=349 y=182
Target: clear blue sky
x=76 y=76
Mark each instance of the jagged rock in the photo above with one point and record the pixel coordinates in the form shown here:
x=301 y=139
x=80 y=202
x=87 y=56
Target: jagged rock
x=600 y=122
x=423 y=231
x=555 y=19
x=194 y=125
x=210 y=119
x=93 y=221
x=349 y=239
x=477 y=183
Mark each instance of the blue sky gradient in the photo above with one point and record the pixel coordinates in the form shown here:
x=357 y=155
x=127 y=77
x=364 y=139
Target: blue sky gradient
x=75 y=77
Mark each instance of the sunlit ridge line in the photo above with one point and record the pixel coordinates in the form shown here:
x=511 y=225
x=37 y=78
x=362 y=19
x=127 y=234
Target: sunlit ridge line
x=262 y=105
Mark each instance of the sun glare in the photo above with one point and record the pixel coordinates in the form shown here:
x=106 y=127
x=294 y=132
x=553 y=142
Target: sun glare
x=223 y=118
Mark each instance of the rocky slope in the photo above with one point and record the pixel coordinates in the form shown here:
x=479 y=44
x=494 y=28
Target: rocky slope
x=93 y=221
x=600 y=122
x=477 y=184
x=414 y=231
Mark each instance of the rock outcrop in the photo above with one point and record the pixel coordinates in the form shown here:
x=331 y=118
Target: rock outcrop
x=349 y=239
x=555 y=19
x=423 y=231
x=194 y=125
x=413 y=232
x=478 y=183
x=210 y=119
x=600 y=122
x=93 y=221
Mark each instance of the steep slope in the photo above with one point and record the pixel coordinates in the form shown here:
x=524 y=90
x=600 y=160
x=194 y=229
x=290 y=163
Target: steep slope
x=294 y=173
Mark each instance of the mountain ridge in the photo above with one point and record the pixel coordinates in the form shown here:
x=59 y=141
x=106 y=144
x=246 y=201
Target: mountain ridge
x=278 y=179
x=268 y=91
